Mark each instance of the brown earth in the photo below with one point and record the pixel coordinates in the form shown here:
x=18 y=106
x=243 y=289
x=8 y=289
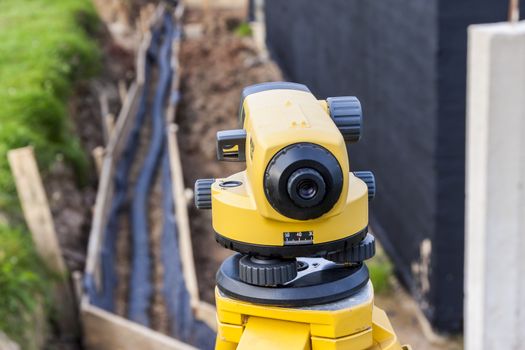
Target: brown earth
x=215 y=67
x=403 y=314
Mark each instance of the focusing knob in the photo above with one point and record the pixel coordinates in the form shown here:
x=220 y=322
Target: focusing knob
x=266 y=272
x=203 y=193
x=359 y=252
x=347 y=115
x=370 y=181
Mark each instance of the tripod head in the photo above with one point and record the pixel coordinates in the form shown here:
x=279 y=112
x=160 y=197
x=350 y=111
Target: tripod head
x=297 y=196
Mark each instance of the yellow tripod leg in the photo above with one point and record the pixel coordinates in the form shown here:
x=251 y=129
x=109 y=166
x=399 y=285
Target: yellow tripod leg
x=222 y=344
x=265 y=333
x=354 y=324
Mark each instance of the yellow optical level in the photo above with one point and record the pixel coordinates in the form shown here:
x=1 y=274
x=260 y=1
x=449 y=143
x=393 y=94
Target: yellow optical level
x=298 y=217
x=297 y=194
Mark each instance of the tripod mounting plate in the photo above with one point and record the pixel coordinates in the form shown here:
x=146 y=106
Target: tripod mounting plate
x=320 y=282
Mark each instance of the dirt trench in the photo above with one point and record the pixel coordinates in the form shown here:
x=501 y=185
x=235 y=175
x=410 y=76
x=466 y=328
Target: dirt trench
x=216 y=66
x=72 y=201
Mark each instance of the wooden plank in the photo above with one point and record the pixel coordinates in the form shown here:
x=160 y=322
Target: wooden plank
x=181 y=212
x=175 y=84
x=115 y=145
x=125 y=121
x=216 y=4
x=36 y=207
x=104 y=111
x=141 y=58
x=117 y=140
x=40 y=222
x=207 y=313
x=146 y=25
x=104 y=330
x=102 y=205
x=179 y=195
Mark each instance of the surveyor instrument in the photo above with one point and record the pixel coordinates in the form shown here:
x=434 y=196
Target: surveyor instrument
x=298 y=219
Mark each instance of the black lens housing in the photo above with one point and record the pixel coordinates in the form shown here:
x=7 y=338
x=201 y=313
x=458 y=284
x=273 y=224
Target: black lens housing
x=306 y=187
x=303 y=181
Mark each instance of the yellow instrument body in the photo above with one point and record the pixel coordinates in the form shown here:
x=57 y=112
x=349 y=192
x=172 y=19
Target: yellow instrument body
x=244 y=211
x=274 y=119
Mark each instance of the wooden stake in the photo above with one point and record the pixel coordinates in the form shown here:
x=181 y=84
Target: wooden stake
x=98 y=156
x=207 y=12
x=78 y=278
x=36 y=207
x=122 y=90
x=514 y=10
x=109 y=120
x=185 y=246
x=106 y=116
x=40 y=222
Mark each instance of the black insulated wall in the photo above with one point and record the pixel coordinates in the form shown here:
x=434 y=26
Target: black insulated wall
x=406 y=61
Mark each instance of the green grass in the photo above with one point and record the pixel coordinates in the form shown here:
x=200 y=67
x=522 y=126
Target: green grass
x=45 y=47
x=21 y=281
x=243 y=30
x=380 y=269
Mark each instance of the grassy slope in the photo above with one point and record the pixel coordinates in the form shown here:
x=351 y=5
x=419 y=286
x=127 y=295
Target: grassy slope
x=45 y=46
x=380 y=269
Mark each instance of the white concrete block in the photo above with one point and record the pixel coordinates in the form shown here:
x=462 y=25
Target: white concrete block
x=495 y=201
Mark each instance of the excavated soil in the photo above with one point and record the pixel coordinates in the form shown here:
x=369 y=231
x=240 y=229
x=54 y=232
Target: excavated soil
x=71 y=203
x=216 y=65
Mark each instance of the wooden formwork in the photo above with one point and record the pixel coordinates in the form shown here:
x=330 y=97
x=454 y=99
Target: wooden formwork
x=103 y=329
x=221 y=4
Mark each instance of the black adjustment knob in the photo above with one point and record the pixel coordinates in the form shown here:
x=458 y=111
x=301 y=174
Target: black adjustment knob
x=356 y=253
x=266 y=272
x=370 y=181
x=347 y=115
x=203 y=193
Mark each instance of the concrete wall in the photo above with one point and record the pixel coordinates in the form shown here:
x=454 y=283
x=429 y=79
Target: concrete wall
x=495 y=270
x=406 y=61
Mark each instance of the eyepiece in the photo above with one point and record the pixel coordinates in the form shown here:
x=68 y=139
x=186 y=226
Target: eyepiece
x=303 y=181
x=306 y=187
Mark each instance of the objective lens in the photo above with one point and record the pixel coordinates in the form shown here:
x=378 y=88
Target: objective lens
x=307 y=189
x=303 y=181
